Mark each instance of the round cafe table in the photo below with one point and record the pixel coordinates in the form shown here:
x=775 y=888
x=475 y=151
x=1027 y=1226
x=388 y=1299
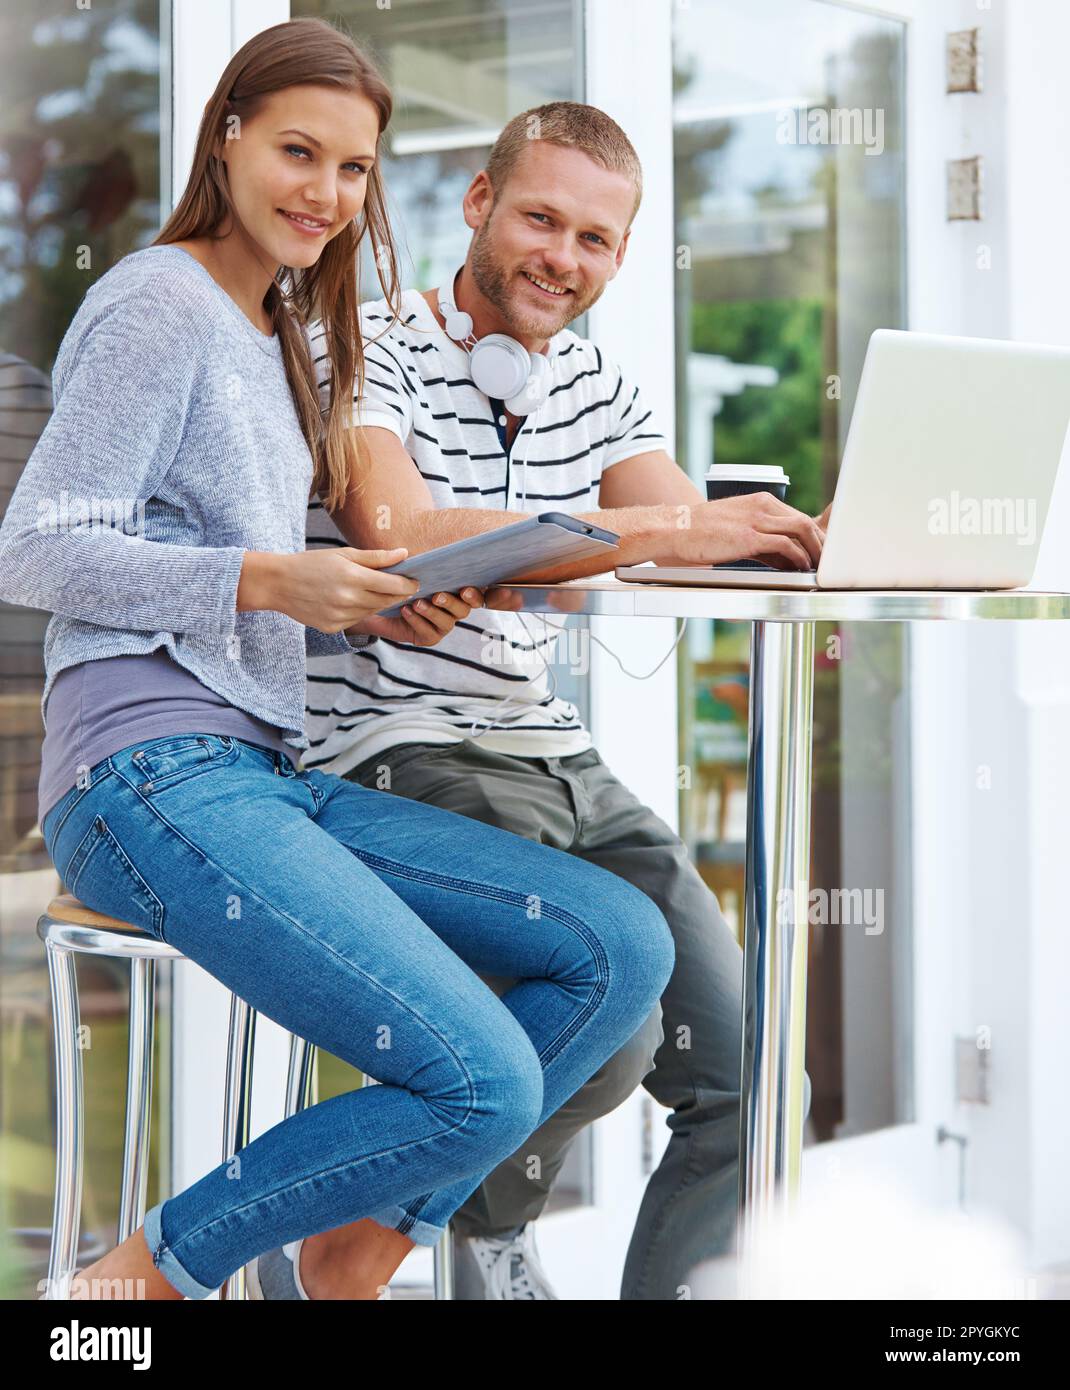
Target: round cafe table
x=780 y=742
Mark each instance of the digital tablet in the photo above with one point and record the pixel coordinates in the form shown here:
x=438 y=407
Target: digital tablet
x=507 y=552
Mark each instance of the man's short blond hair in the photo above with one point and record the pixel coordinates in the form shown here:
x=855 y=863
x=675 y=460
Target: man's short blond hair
x=566 y=123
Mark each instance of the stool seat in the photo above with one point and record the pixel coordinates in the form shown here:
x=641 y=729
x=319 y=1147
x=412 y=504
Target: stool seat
x=66 y=908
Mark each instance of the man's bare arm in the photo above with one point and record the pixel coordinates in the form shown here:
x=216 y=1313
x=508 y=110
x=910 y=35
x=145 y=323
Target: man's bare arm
x=655 y=477
x=392 y=506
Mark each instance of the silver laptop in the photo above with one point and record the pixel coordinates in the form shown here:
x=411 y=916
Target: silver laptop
x=947 y=473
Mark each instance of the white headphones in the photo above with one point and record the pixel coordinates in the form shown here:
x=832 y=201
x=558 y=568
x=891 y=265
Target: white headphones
x=501 y=367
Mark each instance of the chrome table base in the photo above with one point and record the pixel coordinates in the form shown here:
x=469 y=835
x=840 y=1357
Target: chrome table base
x=775 y=923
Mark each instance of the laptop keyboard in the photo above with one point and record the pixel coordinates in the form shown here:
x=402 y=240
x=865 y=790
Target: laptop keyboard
x=755 y=565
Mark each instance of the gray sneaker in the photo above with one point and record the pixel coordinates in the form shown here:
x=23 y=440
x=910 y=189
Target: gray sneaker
x=271 y=1276
x=503 y=1267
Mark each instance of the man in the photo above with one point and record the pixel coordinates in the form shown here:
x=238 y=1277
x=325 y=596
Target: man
x=474 y=725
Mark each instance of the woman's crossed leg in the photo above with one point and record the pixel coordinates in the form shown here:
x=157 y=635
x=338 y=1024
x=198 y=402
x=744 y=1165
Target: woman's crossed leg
x=357 y=920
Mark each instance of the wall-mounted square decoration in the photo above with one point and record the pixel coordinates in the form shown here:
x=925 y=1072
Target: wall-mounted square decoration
x=965 y=177
x=964 y=64
x=972 y=1065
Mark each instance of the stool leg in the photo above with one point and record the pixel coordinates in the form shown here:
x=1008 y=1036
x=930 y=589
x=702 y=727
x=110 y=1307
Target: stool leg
x=238 y=1104
x=300 y=1075
x=138 y=1096
x=70 y=1138
x=444 y=1265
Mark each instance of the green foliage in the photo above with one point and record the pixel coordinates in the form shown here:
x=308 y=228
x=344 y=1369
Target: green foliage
x=779 y=424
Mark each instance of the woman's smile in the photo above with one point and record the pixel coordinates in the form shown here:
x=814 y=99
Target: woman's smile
x=302 y=222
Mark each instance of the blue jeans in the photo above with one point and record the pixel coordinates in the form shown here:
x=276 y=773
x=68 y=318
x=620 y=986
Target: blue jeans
x=357 y=919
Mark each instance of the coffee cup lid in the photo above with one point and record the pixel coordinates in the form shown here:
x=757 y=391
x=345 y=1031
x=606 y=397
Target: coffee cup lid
x=747 y=473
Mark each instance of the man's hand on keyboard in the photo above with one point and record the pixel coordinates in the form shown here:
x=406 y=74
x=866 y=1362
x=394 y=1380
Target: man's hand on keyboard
x=754 y=527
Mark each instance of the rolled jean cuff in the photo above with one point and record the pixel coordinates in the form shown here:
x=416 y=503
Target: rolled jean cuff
x=164 y=1259
x=420 y=1232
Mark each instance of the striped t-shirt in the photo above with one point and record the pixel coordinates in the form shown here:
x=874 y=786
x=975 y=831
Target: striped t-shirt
x=488 y=678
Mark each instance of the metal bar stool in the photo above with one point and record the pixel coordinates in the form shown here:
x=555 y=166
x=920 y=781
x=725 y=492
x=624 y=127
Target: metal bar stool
x=299 y=1095
x=69 y=928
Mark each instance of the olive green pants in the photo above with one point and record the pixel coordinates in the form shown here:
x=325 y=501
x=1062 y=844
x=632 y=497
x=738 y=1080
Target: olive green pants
x=687 y=1054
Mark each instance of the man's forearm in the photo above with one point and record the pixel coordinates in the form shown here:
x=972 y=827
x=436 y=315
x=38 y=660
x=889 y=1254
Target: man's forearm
x=646 y=533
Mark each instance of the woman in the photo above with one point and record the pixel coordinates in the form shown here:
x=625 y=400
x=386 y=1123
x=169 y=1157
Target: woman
x=170 y=795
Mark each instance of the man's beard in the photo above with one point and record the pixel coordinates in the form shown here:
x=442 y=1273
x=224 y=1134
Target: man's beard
x=498 y=289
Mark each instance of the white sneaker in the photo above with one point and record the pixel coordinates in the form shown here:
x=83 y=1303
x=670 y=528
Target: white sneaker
x=505 y=1267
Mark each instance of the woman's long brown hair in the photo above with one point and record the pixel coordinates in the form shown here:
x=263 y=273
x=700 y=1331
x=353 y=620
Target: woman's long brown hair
x=302 y=51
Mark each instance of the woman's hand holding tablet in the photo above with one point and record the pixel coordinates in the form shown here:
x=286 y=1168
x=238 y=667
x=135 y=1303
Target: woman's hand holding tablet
x=507 y=553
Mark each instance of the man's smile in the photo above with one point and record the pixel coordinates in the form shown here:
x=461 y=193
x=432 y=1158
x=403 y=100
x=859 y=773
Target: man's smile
x=546 y=286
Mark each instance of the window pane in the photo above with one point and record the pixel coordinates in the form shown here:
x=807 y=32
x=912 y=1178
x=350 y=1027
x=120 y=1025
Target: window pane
x=789 y=172
x=79 y=188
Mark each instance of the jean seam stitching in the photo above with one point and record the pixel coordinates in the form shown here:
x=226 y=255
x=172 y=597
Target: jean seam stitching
x=508 y=896
x=412 y=1214
x=151 y=806
x=91 y=831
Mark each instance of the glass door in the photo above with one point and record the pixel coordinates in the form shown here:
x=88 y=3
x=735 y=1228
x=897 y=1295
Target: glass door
x=790 y=215
x=84 y=142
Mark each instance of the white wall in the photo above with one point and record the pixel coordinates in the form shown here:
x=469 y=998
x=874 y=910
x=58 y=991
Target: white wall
x=995 y=696
x=1038 y=310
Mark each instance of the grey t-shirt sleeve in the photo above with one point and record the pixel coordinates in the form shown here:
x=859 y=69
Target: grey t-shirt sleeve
x=125 y=382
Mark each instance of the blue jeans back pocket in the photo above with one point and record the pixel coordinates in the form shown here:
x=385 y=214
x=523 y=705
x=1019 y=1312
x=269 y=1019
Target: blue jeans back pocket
x=101 y=875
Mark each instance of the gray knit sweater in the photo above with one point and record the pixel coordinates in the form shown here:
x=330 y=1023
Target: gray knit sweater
x=173 y=447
